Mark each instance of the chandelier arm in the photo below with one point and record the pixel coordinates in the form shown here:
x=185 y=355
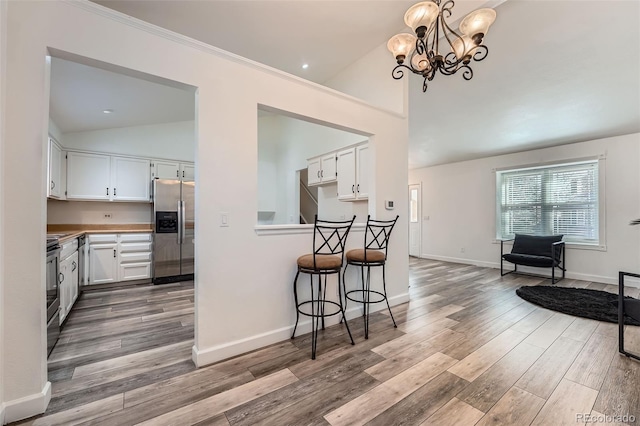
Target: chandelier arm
x=467 y=74
x=481 y=52
x=398 y=72
x=446 y=7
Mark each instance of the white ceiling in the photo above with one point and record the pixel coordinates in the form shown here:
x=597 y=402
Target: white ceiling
x=79 y=94
x=557 y=71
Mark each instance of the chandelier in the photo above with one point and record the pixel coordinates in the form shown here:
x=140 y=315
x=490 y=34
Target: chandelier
x=423 y=53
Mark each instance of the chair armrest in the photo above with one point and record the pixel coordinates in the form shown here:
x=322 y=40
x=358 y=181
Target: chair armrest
x=502 y=245
x=554 y=246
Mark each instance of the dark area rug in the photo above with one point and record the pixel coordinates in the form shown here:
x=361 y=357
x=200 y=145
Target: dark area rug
x=579 y=302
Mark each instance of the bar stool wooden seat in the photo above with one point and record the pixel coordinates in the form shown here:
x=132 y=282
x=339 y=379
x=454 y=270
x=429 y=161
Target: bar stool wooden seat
x=329 y=239
x=374 y=253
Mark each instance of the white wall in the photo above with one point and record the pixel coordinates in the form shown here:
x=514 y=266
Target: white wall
x=174 y=141
x=229 y=90
x=3 y=57
x=447 y=187
x=92 y=212
x=369 y=78
x=54 y=131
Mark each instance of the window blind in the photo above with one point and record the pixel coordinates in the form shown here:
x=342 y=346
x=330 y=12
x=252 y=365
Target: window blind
x=561 y=199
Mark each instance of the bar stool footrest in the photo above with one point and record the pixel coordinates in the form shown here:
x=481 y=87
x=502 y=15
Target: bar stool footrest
x=319 y=303
x=382 y=297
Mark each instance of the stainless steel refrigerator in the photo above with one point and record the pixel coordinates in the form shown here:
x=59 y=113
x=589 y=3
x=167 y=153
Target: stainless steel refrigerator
x=174 y=220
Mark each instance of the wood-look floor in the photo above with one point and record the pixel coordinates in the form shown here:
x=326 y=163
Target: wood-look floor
x=467 y=351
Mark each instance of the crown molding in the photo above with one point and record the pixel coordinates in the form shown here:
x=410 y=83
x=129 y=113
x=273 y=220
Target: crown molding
x=139 y=24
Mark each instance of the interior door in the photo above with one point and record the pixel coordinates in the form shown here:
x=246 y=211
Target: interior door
x=188 y=246
x=415 y=211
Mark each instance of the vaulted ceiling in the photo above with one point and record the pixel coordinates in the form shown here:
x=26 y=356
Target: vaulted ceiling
x=557 y=71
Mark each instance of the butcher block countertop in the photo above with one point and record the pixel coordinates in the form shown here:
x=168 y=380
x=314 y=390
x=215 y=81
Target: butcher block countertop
x=69 y=232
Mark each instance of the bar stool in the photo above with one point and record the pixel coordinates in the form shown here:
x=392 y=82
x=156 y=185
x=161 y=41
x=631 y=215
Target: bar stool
x=374 y=253
x=329 y=239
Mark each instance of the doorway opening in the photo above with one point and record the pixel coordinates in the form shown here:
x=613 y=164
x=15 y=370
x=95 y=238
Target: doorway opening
x=113 y=133
x=415 y=213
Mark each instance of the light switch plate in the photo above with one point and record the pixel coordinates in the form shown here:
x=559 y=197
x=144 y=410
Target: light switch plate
x=388 y=204
x=224 y=219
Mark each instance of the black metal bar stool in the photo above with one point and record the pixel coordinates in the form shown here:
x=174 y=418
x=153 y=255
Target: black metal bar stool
x=376 y=240
x=329 y=239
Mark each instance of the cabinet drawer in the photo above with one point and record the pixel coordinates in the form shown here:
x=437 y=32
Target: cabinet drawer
x=68 y=249
x=135 y=271
x=135 y=247
x=135 y=257
x=134 y=238
x=102 y=238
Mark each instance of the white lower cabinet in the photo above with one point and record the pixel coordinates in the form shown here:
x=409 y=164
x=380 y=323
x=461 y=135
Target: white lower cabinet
x=134 y=256
x=119 y=257
x=69 y=278
x=103 y=263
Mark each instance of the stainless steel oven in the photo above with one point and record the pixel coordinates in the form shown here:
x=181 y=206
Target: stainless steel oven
x=53 y=293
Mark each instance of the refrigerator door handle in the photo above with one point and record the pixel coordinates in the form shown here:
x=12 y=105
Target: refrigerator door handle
x=180 y=220
x=183 y=222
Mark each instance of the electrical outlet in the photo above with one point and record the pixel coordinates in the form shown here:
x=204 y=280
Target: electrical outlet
x=108 y=215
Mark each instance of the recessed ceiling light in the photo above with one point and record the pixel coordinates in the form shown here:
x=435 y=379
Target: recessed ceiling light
x=305 y=66
x=107 y=111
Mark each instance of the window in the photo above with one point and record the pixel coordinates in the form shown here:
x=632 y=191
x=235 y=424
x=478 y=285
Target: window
x=560 y=199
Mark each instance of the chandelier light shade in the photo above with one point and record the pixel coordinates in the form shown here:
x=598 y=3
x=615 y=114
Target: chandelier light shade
x=423 y=53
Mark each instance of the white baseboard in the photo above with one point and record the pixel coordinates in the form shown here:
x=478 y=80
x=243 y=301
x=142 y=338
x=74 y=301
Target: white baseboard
x=2 y=413
x=464 y=261
x=628 y=281
x=202 y=357
x=27 y=406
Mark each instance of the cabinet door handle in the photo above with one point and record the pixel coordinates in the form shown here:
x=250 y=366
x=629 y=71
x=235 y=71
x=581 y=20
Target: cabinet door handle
x=74 y=266
x=60 y=277
x=53 y=184
x=321 y=173
x=177 y=173
x=318 y=173
x=114 y=252
x=114 y=192
x=183 y=173
x=353 y=189
x=358 y=188
x=107 y=191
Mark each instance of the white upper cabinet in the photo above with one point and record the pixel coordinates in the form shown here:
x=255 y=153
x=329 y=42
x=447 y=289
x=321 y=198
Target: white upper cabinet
x=88 y=176
x=321 y=170
x=130 y=179
x=353 y=173
x=187 y=171
x=313 y=171
x=164 y=169
x=55 y=188
x=362 y=172
x=107 y=178
x=347 y=174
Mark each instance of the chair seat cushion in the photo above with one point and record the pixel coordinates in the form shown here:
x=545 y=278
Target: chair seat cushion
x=529 y=260
x=322 y=262
x=357 y=255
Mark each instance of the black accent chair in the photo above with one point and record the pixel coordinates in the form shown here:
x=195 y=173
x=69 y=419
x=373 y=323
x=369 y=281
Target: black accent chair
x=629 y=307
x=374 y=253
x=329 y=239
x=537 y=251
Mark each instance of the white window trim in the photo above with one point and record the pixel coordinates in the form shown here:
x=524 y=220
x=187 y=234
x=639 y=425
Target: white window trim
x=602 y=211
